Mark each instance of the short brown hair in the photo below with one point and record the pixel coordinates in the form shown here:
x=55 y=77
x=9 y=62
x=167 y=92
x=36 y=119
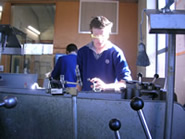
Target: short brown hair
x=100 y=22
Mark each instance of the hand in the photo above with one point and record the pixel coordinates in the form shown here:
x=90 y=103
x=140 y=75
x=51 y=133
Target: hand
x=78 y=87
x=98 y=84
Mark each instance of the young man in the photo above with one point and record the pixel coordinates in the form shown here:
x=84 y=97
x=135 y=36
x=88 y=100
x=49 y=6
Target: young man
x=101 y=63
x=66 y=66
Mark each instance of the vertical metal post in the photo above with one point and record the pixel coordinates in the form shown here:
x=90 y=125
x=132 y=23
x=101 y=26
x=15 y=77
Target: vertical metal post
x=170 y=86
x=74 y=104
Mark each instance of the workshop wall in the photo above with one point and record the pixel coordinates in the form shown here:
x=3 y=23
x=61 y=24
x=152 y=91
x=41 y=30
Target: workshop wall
x=6 y=15
x=66 y=29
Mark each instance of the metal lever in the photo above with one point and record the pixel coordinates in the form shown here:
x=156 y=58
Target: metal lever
x=137 y=104
x=115 y=125
x=156 y=76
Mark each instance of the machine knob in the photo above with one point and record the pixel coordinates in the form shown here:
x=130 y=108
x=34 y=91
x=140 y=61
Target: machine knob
x=115 y=124
x=139 y=74
x=140 y=77
x=156 y=76
x=9 y=102
x=137 y=103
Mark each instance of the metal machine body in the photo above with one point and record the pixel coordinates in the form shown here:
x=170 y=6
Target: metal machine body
x=171 y=22
x=41 y=115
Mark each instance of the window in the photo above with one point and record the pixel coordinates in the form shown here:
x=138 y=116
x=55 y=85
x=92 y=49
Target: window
x=38 y=48
x=161 y=55
x=90 y=9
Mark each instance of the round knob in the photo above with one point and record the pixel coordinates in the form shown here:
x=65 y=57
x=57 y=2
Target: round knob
x=139 y=75
x=137 y=103
x=10 y=102
x=156 y=76
x=114 y=124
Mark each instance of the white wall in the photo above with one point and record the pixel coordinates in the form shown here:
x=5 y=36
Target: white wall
x=180 y=79
x=180 y=61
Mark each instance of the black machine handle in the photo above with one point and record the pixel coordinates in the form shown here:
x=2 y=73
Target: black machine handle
x=9 y=102
x=137 y=104
x=140 y=77
x=115 y=125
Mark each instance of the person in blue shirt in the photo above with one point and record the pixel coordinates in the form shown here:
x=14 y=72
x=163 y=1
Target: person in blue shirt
x=66 y=66
x=102 y=64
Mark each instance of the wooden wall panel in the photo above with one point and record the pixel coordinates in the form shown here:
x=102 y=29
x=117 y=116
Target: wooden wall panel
x=6 y=15
x=6 y=19
x=127 y=36
x=66 y=26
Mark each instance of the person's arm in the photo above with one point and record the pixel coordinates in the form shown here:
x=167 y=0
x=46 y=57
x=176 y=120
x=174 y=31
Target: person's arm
x=56 y=71
x=79 y=71
x=100 y=85
x=122 y=70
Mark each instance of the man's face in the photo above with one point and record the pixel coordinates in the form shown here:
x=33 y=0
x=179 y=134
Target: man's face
x=100 y=36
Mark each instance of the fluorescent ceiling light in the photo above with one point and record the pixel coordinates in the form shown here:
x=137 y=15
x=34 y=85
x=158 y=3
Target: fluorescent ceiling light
x=34 y=30
x=1 y=8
